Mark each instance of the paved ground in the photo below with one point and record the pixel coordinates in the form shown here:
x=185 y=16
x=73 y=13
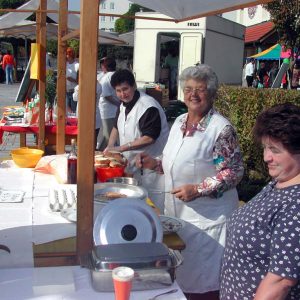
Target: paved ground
x=10 y=141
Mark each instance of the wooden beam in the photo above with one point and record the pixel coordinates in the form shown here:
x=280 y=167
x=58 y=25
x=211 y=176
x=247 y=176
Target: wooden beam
x=71 y=35
x=41 y=38
x=89 y=22
x=61 y=77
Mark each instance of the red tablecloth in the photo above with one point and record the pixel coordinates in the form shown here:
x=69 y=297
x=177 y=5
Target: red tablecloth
x=70 y=130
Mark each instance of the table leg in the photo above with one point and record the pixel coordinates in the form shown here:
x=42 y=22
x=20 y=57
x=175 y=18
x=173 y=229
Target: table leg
x=22 y=139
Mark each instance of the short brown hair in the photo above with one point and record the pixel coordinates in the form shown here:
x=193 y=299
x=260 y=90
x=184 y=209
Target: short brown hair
x=281 y=123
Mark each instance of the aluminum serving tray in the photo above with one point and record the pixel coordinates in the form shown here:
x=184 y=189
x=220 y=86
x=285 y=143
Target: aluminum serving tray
x=131 y=191
x=154 y=265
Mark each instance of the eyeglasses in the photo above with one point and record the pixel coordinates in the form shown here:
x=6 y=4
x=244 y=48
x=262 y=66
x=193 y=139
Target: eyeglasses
x=189 y=90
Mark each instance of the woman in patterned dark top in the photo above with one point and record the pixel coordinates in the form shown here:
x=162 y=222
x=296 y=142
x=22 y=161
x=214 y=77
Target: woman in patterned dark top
x=262 y=253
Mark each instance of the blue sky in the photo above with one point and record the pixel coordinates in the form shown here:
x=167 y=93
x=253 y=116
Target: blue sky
x=74 y=4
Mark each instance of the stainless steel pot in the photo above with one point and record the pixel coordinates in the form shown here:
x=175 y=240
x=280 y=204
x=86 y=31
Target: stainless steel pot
x=154 y=265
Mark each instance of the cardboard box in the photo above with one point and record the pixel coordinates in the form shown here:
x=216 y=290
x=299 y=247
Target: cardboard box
x=162 y=96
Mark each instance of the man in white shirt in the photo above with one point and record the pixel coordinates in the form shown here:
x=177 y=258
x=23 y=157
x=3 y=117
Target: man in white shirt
x=72 y=69
x=109 y=102
x=249 y=72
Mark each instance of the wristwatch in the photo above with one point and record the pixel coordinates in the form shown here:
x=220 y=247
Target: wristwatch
x=199 y=190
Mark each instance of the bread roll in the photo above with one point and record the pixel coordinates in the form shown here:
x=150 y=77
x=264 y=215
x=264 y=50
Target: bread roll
x=102 y=160
x=115 y=163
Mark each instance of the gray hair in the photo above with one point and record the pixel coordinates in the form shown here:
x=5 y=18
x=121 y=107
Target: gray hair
x=201 y=73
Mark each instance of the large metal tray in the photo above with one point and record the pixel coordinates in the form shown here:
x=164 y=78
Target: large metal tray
x=131 y=191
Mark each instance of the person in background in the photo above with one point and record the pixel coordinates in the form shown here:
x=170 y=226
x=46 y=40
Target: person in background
x=2 y=74
x=109 y=102
x=262 y=253
x=273 y=73
x=249 y=72
x=140 y=125
x=98 y=122
x=295 y=76
x=202 y=165
x=262 y=75
x=8 y=65
x=171 y=62
x=72 y=72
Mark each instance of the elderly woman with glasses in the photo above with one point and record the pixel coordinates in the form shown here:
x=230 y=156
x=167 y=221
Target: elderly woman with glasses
x=202 y=165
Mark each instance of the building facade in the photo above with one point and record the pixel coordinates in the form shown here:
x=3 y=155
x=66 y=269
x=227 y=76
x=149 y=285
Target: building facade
x=112 y=7
x=248 y=16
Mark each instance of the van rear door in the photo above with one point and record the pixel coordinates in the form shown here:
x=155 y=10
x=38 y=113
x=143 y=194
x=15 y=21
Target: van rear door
x=189 y=52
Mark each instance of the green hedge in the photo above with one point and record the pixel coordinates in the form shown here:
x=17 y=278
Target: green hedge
x=241 y=106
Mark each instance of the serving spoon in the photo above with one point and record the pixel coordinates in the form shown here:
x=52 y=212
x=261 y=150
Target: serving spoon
x=165 y=293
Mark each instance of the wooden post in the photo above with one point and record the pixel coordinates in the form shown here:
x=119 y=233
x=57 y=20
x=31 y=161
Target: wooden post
x=41 y=39
x=86 y=140
x=61 y=77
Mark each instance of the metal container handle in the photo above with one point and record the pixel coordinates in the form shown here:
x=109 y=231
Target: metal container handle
x=177 y=257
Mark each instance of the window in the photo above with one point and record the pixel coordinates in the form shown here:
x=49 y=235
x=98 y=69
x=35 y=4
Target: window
x=112 y=18
x=103 y=5
x=102 y=19
x=112 y=5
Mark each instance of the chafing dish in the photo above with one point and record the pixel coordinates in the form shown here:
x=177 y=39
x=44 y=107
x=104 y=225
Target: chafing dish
x=154 y=265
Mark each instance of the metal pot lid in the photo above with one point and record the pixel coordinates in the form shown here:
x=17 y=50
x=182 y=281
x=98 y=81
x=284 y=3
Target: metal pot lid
x=127 y=221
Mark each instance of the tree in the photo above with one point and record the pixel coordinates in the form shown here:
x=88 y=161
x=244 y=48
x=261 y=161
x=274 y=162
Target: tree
x=285 y=15
x=11 y=4
x=123 y=25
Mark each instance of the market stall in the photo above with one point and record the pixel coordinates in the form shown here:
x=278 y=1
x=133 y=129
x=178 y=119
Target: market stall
x=89 y=18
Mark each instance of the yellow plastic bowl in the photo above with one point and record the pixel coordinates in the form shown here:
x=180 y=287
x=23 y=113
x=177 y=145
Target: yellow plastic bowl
x=26 y=157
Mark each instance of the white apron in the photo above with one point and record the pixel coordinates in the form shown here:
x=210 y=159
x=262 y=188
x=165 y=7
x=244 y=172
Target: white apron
x=129 y=131
x=189 y=160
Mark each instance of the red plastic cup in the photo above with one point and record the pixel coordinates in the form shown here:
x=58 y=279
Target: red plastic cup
x=122 y=278
x=106 y=173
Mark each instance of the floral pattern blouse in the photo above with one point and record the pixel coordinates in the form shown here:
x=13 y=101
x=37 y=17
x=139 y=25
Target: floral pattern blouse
x=227 y=158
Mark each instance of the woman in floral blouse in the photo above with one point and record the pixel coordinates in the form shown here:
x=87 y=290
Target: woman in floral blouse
x=202 y=165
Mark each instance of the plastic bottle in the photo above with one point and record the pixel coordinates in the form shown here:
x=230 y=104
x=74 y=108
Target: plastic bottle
x=72 y=163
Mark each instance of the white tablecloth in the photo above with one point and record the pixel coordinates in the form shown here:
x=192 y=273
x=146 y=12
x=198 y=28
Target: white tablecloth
x=16 y=219
x=63 y=283
x=31 y=221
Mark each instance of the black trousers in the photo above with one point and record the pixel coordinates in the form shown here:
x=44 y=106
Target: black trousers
x=249 y=80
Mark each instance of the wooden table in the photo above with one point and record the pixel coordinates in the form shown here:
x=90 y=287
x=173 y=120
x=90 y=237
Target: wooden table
x=50 y=133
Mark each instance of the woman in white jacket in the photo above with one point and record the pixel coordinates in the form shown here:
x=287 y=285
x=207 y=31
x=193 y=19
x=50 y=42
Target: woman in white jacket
x=140 y=125
x=202 y=164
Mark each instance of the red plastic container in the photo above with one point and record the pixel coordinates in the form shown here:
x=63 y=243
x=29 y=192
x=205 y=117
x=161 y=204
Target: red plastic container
x=105 y=173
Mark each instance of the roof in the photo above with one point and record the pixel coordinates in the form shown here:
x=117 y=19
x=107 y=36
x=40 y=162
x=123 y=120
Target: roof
x=257 y=32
